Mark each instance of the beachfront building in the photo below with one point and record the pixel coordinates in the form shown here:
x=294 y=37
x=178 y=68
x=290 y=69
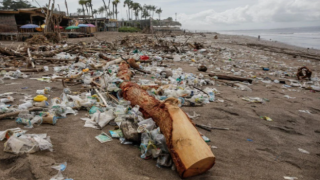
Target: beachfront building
x=12 y=19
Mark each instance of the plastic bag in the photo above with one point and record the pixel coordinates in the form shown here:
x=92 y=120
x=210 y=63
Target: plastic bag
x=28 y=143
x=11 y=132
x=147 y=124
x=7 y=99
x=25 y=105
x=243 y=87
x=164 y=160
x=105 y=118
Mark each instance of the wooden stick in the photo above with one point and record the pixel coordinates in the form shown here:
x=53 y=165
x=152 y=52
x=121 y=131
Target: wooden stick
x=231 y=78
x=16 y=113
x=30 y=58
x=104 y=101
x=23 y=70
x=203 y=127
x=53 y=59
x=112 y=97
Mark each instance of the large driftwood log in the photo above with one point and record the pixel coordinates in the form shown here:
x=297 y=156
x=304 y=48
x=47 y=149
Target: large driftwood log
x=124 y=72
x=191 y=155
x=231 y=78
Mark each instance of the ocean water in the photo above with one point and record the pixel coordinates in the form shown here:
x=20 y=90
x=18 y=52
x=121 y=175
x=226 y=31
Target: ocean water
x=307 y=37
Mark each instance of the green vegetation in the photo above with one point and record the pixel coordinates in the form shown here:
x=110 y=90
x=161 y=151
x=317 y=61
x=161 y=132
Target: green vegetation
x=128 y=29
x=10 y=4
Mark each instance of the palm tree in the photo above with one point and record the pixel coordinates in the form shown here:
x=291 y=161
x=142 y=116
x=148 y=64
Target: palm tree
x=159 y=11
x=145 y=13
x=131 y=8
x=113 y=4
x=94 y=12
x=79 y=10
x=105 y=6
x=110 y=13
x=136 y=8
x=101 y=10
x=127 y=3
x=153 y=9
x=116 y=2
x=86 y=5
x=149 y=7
x=89 y=3
x=82 y=3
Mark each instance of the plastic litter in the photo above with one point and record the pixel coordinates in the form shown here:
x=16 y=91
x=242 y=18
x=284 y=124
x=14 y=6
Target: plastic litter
x=60 y=168
x=28 y=143
x=303 y=151
x=254 y=99
x=116 y=133
x=103 y=137
x=289 y=178
x=40 y=98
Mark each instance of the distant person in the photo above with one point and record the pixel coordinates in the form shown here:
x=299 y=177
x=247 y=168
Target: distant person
x=259 y=38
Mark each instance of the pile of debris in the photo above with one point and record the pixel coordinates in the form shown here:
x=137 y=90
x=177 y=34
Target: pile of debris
x=37 y=39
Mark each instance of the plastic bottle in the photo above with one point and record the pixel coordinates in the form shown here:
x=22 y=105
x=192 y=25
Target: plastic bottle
x=42 y=91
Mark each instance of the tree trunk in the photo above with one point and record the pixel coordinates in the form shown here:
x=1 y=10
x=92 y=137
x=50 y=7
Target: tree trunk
x=117 y=12
x=87 y=9
x=91 y=10
x=105 y=7
x=109 y=8
x=66 y=7
x=113 y=10
x=189 y=152
x=83 y=11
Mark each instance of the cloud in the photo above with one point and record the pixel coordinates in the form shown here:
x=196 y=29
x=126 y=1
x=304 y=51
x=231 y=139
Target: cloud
x=264 y=11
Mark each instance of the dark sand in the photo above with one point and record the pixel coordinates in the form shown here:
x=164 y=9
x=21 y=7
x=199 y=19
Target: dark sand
x=272 y=153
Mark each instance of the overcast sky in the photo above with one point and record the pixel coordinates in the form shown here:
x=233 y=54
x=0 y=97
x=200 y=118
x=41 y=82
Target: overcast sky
x=226 y=14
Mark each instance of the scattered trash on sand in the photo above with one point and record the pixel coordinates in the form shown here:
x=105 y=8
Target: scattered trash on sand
x=132 y=94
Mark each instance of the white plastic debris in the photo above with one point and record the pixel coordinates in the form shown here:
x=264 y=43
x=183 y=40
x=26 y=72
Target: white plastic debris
x=303 y=151
x=305 y=111
x=289 y=178
x=28 y=143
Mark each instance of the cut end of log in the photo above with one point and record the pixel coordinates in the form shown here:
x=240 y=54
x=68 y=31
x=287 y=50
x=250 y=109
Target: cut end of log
x=199 y=167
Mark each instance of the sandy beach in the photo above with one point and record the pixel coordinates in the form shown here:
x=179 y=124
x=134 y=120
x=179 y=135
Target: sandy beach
x=252 y=148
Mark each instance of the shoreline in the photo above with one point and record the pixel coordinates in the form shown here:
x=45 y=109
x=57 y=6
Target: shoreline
x=272 y=40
